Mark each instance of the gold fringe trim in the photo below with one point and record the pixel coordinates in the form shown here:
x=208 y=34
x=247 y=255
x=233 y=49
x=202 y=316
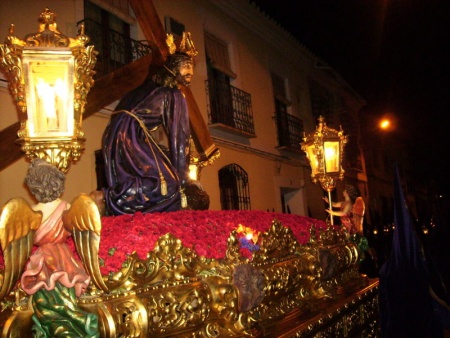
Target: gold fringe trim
x=183 y=199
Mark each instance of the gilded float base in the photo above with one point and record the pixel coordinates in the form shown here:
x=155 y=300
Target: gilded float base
x=284 y=290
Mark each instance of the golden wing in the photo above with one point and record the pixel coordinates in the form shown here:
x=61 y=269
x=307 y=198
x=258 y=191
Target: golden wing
x=83 y=220
x=359 y=206
x=18 y=223
x=358 y=211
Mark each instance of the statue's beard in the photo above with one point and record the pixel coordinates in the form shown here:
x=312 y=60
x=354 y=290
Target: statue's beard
x=185 y=80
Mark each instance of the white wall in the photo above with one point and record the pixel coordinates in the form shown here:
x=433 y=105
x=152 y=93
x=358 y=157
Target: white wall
x=256 y=50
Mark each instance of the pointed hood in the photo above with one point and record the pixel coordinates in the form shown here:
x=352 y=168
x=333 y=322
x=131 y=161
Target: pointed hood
x=406 y=304
x=406 y=246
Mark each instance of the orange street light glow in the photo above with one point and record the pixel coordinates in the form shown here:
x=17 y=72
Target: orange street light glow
x=385 y=124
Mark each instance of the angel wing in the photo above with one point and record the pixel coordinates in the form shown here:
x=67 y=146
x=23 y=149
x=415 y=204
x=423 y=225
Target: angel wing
x=18 y=223
x=358 y=211
x=83 y=220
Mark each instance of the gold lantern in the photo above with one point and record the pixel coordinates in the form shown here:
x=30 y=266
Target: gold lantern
x=49 y=77
x=324 y=149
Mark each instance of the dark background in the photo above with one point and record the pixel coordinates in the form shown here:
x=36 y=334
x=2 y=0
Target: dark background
x=396 y=55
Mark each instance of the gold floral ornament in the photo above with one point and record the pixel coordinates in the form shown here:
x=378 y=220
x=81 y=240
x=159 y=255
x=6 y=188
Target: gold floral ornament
x=183 y=44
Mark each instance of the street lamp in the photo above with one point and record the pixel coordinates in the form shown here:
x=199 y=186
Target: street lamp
x=324 y=149
x=49 y=77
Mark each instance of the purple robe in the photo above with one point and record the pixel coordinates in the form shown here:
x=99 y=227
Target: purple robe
x=133 y=164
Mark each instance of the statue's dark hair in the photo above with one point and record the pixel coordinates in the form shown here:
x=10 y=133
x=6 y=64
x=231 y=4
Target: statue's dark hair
x=45 y=181
x=352 y=192
x=166 y=75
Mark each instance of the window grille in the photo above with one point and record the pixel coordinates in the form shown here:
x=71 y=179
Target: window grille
x=229 y=106
x=234 y=189
x=111 y=37
x=289 y=128
x=322 y=101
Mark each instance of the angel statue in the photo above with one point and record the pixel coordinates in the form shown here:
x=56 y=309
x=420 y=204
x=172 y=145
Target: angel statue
x=53 y=276
x=351 y=212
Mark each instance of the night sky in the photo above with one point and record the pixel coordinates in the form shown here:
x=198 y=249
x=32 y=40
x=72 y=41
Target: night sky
x=396 y=54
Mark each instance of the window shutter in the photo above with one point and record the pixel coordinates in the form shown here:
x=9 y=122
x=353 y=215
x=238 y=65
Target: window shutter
x=217 y=52
x=279 y=89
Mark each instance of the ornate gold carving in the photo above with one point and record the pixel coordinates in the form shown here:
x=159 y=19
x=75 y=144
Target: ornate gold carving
x=356 y=315
x=11 y=63
x=174 y=292
x=60 y=153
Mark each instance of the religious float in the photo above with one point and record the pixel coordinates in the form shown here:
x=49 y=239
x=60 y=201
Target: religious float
x=208 y=274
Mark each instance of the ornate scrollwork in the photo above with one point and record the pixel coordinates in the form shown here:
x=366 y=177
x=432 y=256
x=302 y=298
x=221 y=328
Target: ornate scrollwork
x=276 y=244
x=11 y=63
x=174 y=292
x=85 y=60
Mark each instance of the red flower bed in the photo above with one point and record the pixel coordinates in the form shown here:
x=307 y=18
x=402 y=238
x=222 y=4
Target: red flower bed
x=205 y=232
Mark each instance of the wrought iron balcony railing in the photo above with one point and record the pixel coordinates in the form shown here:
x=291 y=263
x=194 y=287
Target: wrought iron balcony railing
x=289 y=131
x=115 y=49
x=230 y=107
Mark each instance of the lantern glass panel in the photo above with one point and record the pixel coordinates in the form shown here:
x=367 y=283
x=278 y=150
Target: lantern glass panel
x=312 y=156
x=331 y=154
x=193 y=172
x=50 y=102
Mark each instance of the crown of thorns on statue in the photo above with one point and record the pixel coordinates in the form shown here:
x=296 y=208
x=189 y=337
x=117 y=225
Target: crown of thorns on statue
x=183 y=44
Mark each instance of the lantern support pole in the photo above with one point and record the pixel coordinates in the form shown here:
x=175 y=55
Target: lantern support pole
x=331 y=207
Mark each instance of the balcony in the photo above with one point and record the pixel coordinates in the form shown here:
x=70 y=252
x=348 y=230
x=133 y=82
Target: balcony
x=229 y=109
x=289 y=132
x=115 y=49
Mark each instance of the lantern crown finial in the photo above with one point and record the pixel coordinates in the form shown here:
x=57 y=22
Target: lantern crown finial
x=47 y=19
x=48 y=34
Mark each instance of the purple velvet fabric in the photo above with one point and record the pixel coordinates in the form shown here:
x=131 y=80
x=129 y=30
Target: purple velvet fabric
x=132 y=163
x=407 y=307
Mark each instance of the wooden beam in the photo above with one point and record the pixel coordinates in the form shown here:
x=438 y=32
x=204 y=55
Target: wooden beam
x=9 y=150
x=202 y=139
x=113 y=86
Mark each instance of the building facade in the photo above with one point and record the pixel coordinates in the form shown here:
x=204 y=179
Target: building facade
x=257 y=88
